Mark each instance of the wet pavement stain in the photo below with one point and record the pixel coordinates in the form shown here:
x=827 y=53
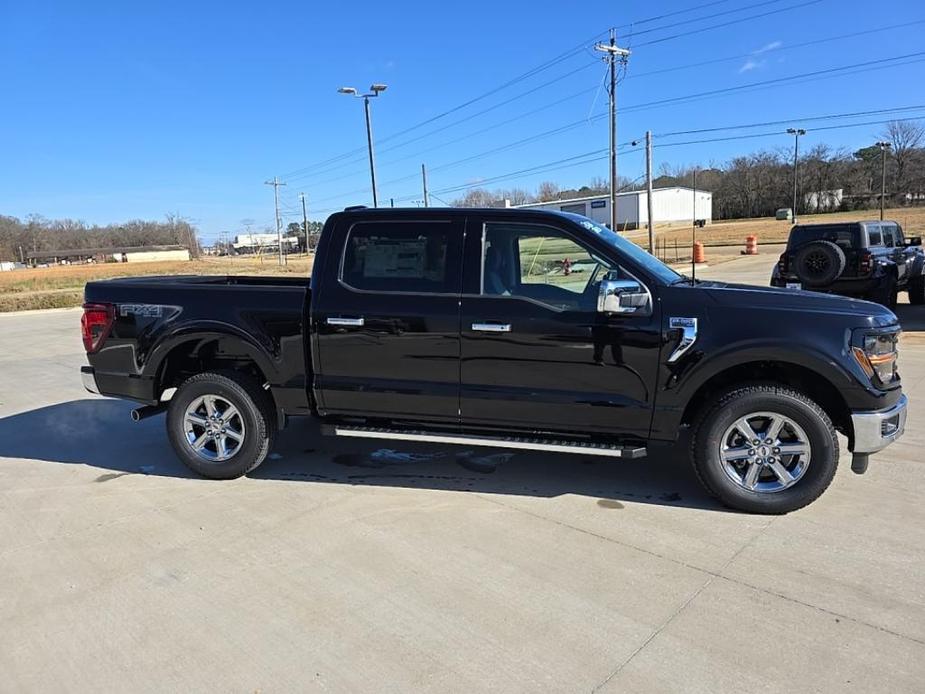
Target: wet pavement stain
x=609 y=503
x=111 y=476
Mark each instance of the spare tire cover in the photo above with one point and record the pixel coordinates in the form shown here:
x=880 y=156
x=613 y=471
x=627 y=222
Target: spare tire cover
x=819 y=263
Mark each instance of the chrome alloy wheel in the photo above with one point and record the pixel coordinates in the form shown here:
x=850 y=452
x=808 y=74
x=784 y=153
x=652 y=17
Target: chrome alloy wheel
x=765 y=452
x=214 y=428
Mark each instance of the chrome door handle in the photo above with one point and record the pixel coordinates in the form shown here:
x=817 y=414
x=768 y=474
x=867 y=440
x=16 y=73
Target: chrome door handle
x=492 y=327
x=352 y=322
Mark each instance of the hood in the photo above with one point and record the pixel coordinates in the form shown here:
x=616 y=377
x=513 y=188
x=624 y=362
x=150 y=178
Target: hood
x=766 y=299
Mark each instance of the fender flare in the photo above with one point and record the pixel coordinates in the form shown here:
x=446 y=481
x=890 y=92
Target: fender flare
x=201 y=333
x=743 y=352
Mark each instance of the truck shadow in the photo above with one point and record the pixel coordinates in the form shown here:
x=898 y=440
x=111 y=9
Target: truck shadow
x=99 y=433
x=911 y=318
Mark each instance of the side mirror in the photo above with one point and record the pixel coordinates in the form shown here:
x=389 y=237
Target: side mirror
x=621 y=296
x=914 y=241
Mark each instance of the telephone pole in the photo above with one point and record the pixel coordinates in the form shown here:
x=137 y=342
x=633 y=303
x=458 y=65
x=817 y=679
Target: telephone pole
x=649 y=191
x=279 y=225
x=614 y=54
x=424 y=180
x=308 y=245
x=884 y=146
x=796 y=132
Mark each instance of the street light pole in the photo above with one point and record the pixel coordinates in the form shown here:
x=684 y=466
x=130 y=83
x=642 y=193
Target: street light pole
x=374 y=91
x=796 y=132
x=884 y=146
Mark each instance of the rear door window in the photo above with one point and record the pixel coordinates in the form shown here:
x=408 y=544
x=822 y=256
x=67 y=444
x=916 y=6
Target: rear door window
x=418 y=257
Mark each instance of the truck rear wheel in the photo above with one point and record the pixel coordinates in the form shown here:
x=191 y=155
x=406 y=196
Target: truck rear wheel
x=221 y=424
x=764 y=449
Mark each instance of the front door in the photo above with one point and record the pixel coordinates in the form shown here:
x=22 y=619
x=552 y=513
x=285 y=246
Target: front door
x=387 y=321
x=536 y=353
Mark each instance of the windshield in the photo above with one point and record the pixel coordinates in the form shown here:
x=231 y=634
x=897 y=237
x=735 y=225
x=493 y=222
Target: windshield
x=648 y=262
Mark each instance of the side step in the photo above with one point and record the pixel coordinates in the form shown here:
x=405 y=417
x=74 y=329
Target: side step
x=530 y=444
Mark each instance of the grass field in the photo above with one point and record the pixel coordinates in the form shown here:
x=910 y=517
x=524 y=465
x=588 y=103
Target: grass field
x=62 y=285
x=769 y=230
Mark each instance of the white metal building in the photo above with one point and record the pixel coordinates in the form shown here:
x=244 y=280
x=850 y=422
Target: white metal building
x=670 y=206
x=253 y=242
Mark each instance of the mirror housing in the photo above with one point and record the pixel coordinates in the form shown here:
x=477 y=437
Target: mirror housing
x=621 y=296
x=914 y=241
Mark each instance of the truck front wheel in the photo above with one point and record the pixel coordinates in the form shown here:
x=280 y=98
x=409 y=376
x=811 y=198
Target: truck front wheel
x=764 y=449
x=221 y=425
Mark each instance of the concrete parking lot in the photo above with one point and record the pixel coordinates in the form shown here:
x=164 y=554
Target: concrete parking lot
x=360 y=567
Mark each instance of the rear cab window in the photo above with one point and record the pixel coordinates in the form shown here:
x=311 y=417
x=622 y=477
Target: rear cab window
x=845 y=236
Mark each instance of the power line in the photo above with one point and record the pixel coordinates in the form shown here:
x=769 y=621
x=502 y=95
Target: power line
x=570 y=97
x=729 y=23
x=545 y=66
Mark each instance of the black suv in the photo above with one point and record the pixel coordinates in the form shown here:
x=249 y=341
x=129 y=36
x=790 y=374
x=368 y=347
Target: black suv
x=868 y=260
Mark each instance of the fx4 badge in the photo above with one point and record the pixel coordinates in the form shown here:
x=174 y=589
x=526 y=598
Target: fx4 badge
x=688 y=328
x=140 y=310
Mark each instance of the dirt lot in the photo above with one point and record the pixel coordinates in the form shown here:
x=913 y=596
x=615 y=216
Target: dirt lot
x=769 y=230
x=62 y=286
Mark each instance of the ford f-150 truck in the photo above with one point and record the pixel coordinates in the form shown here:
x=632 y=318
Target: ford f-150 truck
x=511 y=329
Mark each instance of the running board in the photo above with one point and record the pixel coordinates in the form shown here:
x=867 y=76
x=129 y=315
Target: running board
x=530 y=444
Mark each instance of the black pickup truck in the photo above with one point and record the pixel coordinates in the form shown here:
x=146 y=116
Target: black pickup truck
x=511 y=329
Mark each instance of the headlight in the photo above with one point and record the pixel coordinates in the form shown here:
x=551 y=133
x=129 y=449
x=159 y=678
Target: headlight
x=877 y=353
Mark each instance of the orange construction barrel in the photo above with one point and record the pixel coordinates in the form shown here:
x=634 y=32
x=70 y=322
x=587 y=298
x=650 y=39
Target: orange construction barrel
x=698 y=252
x=751 y=245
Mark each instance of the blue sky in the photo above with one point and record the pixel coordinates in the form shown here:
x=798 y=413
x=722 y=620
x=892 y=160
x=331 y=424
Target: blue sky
x=115 y=110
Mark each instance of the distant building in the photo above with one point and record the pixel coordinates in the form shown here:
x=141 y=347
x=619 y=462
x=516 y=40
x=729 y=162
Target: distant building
x=119 y=254
x=673 y=205
x=824 y=200
x=6 y=265
x=253 y=243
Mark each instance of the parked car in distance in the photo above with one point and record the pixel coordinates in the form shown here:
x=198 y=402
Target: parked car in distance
x=866 y=260
x=521 y=329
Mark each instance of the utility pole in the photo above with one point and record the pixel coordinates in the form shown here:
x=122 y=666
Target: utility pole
x=308 y=245
x=613 y=55
x=649 y=191
x=279 y=225
x=22 y=257
x=796 y=132
x=424 y=180
x=694 y=232
x=884 y=146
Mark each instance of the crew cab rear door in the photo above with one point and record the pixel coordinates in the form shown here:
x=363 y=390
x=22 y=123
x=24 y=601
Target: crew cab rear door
x=386 y=319
x=536 y=354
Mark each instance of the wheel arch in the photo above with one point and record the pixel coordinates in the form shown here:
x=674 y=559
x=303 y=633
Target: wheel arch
x=192 y=353
x=771 y=371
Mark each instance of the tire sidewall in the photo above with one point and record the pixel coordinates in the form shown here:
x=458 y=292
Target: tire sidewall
x=255 y=443
x=818 y=475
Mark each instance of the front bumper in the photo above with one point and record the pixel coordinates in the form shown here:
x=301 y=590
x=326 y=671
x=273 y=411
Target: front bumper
x=88 y=377
x=874 y=431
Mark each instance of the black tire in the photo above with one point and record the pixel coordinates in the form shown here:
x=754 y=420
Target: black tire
x=887 y=294
x=717 y=417
x=917 y=291
x=256 y=412
x=819 y=263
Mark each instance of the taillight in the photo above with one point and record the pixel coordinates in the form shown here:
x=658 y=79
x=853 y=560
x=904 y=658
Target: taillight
x=95 y=325
x=865 y=262
x=783 y=264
